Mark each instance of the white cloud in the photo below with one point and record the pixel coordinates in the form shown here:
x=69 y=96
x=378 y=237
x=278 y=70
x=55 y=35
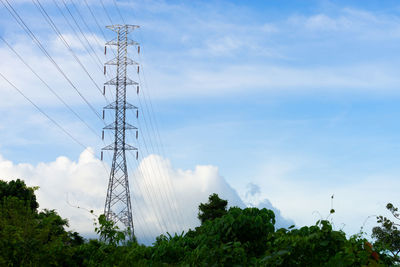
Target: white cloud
x=361 y=24
x=252 y=190
x=224 y=45
x=253 y=199
x=365 y=78
x=308 y=199
x=157 y=208
x=64 y=181
x=326 y=23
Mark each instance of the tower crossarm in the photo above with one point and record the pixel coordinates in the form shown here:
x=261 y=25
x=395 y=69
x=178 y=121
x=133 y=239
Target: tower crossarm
x=114 y=61
x=126 y=28
x=120 y=147
x=113 y=105
x=126 y=126
x=118 y=81
x=115 y=42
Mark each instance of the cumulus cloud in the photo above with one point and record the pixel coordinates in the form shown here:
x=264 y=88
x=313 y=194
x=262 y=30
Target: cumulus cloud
x=253 y=199
x=357 y=199
x=170 y=197
x=281 y=222
x=63 y=184
x=164 y=199
x=361 y=24
x=252 y=190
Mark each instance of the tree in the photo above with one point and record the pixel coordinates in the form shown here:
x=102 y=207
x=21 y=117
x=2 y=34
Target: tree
x=387 y=235
x=234 y=237
x=318 y=245
x=109 y=231
x=17 y=188
x=215 y=208
x=29 y=237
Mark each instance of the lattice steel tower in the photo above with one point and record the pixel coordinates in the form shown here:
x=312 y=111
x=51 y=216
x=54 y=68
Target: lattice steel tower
x=118 y=203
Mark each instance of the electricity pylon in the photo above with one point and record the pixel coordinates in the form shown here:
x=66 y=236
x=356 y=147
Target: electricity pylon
x=118 y=206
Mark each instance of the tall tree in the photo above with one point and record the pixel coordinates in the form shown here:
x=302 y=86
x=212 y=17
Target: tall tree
x=215 y=208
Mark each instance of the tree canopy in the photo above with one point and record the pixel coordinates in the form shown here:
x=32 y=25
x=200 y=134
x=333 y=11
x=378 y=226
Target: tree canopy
x=215 y=208
x=17 y=188
x=387 y=235
x=29 y=237
x=226 y=237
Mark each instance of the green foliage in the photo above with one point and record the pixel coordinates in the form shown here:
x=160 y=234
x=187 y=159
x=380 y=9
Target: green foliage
x=109 y=232
x=31 y=238
x=19 y=190
x=234 y=237
x=215 y=208
x=317 y=245
x=387 y=235
x=251 y=227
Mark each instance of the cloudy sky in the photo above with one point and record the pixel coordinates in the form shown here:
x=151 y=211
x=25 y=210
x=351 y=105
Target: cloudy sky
x=270 y=103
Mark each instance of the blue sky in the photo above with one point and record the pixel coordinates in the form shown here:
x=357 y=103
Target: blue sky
x=298 y=97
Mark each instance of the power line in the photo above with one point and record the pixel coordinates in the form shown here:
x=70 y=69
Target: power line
x=113 y=51
x=156 y=134
x=146 y=174
x=28 y=31
x=95 y=19
x=50 y=118
x=51 y=23
x=59 y=126
x=156 y=170
x=41 y=111
x=40 y=46
x=141 y=173
x=119 y=11
x=48 y=86
x=89 y=29
x=107 y=14
x=105 y=11
x=84 y=22
x=98 y=62
x=169 y=186
x=97 y=22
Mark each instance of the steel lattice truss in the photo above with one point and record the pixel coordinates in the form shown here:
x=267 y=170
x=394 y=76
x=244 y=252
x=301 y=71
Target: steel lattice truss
x=118 y=203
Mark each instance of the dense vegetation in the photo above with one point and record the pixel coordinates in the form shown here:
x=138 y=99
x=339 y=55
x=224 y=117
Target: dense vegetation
x=226 y=237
